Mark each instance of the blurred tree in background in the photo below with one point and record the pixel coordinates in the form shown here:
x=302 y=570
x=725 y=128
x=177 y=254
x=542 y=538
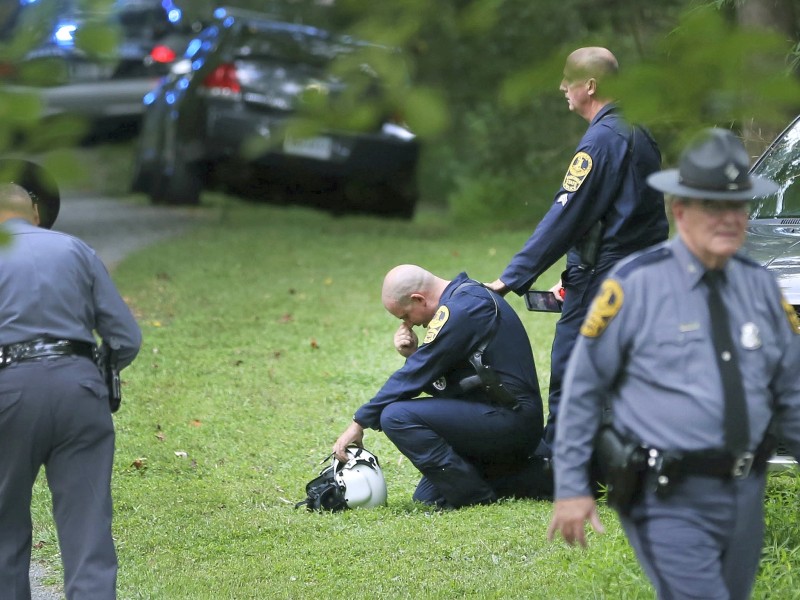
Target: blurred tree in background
x=482 y=90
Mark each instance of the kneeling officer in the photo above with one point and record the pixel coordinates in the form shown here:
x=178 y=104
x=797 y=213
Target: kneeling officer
x=472 y=438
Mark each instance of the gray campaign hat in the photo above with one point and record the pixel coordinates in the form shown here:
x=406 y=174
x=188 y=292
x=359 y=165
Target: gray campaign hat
x=713 y=167
x=38 y=182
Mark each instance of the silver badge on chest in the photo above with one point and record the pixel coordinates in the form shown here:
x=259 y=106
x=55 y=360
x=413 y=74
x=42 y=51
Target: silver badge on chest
x=750 y=337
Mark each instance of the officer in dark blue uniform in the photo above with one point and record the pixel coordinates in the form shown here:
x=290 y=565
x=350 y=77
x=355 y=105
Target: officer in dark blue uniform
x=603 y=211
x=54 y=402
x=695 y=352
x=471 y=438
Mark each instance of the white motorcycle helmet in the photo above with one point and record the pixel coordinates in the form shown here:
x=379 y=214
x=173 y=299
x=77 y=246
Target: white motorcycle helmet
x=360 y=479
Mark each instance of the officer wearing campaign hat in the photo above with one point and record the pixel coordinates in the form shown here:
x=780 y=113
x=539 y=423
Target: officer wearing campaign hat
x=694 y=349
x=54 y=402
x=38 y=182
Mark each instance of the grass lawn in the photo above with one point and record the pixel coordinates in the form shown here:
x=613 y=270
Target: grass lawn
x=263 y=332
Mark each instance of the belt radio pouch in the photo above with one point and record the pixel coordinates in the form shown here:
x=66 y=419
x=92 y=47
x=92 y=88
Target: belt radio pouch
x=623 y=464
x=107 y=363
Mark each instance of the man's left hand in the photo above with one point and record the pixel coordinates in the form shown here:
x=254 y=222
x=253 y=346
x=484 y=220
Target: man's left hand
x=570 y=516
x=498 y=286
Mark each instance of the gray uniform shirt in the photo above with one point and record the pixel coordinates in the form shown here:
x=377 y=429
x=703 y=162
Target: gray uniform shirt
x=647 y=346
x=54 y=285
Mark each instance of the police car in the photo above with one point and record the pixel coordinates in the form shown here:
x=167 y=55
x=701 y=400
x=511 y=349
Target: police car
x=774 y=228
x=94 y=60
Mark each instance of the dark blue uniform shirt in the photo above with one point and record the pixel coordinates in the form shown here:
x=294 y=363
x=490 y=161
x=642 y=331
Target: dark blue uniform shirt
x=470 y=310
x=598 y=185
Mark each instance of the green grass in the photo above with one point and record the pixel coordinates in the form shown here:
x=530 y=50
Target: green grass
x=263 y=333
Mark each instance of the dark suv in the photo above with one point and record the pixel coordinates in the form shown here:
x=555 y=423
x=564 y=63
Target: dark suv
x=95 y=63
x=267 y=107
x=774 y=229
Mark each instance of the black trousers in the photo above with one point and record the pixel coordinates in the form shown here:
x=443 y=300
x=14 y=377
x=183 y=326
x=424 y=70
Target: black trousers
x=457 y=445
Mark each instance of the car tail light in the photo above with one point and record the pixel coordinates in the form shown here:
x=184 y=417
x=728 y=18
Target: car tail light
x=162 y=54
x=223 y=79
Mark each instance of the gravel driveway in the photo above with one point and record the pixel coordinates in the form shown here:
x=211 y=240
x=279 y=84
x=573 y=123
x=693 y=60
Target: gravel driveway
x=114 y=228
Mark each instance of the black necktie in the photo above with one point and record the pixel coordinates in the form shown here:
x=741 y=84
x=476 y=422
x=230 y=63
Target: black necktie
x=737 y=429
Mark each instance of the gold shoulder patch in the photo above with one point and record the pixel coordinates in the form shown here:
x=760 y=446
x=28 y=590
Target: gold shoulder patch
x=604 y=307
x=435 y=326
x=794 y=320
x=579 y=168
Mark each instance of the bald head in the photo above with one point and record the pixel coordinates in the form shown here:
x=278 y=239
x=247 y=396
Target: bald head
x=591 y=62
x=15 y=202
x=404 y=280
x=412 y=294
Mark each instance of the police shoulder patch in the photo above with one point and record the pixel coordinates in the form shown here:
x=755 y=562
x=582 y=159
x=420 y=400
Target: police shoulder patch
x=436 y=324
x=579 y=168
x=605 y=307
x=791 y=314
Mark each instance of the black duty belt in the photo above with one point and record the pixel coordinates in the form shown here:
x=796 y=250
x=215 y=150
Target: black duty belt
x=43 y=347
x=709 y=463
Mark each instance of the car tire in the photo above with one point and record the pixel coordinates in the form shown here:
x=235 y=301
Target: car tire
x=181 y=184
x=394 y=196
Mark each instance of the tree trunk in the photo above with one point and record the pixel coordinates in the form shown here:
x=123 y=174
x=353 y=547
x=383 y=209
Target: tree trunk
x=783 y=17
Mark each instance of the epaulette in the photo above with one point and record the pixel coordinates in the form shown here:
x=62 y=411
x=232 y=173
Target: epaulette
x=646 y=257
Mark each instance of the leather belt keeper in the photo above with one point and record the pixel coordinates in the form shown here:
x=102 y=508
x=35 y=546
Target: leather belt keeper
x=716 y=463
x=43 y=347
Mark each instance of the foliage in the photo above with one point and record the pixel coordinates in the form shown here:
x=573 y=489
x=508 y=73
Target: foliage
x=683 y=86
x=263 y=332
x=479 y=84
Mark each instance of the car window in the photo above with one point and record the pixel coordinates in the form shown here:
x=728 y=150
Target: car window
x=781 y=163
x=288 y=47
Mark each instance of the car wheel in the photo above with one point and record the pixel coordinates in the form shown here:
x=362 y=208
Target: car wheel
x=395 y=196
x=179 y=184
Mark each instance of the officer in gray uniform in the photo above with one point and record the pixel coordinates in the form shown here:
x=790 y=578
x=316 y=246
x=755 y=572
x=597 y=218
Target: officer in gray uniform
x=54 y=403
x=687 y=461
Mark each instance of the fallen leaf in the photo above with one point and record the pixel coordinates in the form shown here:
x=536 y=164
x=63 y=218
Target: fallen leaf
x=287 y=318
x=195 y=423
x=181 y=454
x=40 y=544
x=276 y=354
x=314 y=344
x=160 y=436
x=139 y=463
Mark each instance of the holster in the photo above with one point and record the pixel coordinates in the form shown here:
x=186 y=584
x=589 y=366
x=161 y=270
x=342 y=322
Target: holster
x=106 y=359
x=623 y=464
x=491 y=383
x=589 y=246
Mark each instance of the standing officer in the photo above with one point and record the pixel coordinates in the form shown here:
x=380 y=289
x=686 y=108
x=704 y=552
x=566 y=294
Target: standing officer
x=697 y=352
x=472 y=437
x=603 y=211
x=54 y=404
